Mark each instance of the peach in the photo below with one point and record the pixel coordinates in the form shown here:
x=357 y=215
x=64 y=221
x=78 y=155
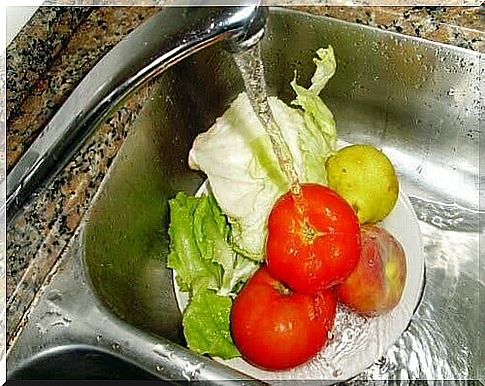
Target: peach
x=376 y=285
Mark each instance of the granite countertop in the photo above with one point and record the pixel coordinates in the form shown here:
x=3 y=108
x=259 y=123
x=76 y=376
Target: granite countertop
x=57 y=48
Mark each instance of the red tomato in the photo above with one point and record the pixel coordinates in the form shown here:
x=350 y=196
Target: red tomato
x=275 y=328
x=313 y=239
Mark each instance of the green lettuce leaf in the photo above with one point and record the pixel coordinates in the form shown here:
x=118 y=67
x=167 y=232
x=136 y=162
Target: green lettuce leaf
x=320 y=139
x=193 y=270
x=206 y=323
x=237 y=157
x=200 y=252
x=209 y=269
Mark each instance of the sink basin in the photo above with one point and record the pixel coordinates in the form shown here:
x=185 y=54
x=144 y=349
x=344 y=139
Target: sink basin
x=418 y=101
x=78 y=363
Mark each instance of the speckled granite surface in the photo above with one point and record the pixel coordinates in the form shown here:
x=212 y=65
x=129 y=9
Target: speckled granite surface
x=63 y=52
x=459 y=26
x=43 y=87
x=31 y=53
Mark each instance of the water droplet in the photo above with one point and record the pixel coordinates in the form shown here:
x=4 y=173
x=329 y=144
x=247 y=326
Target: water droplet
x=191 y=371
x=164 y=351
x=98 y=338
x=41 y=328
x=383 y=364
x=337 y=373
x=54 y=295
x=62 y=322
x=159 y=368
x=116 y=346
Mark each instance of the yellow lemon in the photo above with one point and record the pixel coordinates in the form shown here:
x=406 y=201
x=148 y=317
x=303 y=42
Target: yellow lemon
x=366 y=179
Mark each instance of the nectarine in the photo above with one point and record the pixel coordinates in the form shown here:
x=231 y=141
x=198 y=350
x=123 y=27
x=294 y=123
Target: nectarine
x=376 y=285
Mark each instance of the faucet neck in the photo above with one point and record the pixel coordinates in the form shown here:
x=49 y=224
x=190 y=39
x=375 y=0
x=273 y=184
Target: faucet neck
x=162 y=41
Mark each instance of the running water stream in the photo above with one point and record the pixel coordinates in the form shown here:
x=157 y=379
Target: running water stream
x=251 y=67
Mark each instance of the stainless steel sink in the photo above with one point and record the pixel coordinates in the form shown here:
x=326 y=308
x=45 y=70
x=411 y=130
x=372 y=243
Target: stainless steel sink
x=418 y=101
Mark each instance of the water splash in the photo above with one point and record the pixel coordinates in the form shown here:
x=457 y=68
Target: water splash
x=50 y=319
x=54 y=296
x=349 y=334
x=164 y=351
x=191 y=371
x=450 y=217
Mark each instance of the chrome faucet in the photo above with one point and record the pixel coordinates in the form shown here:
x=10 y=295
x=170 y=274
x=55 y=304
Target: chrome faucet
x=165 y=39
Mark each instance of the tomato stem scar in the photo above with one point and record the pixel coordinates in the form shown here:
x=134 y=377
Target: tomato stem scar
x=282 y=289
x=308 y=232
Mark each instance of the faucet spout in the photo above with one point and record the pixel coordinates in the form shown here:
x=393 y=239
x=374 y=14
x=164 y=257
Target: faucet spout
x=253 y=21
x=165 y=39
